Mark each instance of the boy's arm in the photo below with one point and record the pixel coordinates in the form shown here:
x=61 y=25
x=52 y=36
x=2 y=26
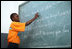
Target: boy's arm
x=30 y=21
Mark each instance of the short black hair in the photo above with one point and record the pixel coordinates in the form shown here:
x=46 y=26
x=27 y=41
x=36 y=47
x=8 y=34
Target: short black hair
x=12 y=15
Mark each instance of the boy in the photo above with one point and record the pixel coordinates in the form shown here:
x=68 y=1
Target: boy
x=15 y=27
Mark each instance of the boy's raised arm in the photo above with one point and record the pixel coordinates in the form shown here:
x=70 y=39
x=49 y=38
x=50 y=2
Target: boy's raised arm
x=30 y=21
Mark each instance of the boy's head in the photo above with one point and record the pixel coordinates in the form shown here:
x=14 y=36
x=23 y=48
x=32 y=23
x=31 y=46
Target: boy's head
x=14 y=17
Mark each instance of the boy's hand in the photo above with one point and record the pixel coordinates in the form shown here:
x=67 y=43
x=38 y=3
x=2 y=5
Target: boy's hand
x=36 y=15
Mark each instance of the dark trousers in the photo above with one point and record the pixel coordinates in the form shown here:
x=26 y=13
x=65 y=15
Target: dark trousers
x=13 y=45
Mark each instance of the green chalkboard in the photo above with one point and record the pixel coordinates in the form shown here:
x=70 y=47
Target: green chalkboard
x=53 y=27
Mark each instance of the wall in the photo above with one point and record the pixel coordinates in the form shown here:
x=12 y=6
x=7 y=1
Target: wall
x=7 y=8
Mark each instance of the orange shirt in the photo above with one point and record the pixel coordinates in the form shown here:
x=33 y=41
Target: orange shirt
x=15 y=27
